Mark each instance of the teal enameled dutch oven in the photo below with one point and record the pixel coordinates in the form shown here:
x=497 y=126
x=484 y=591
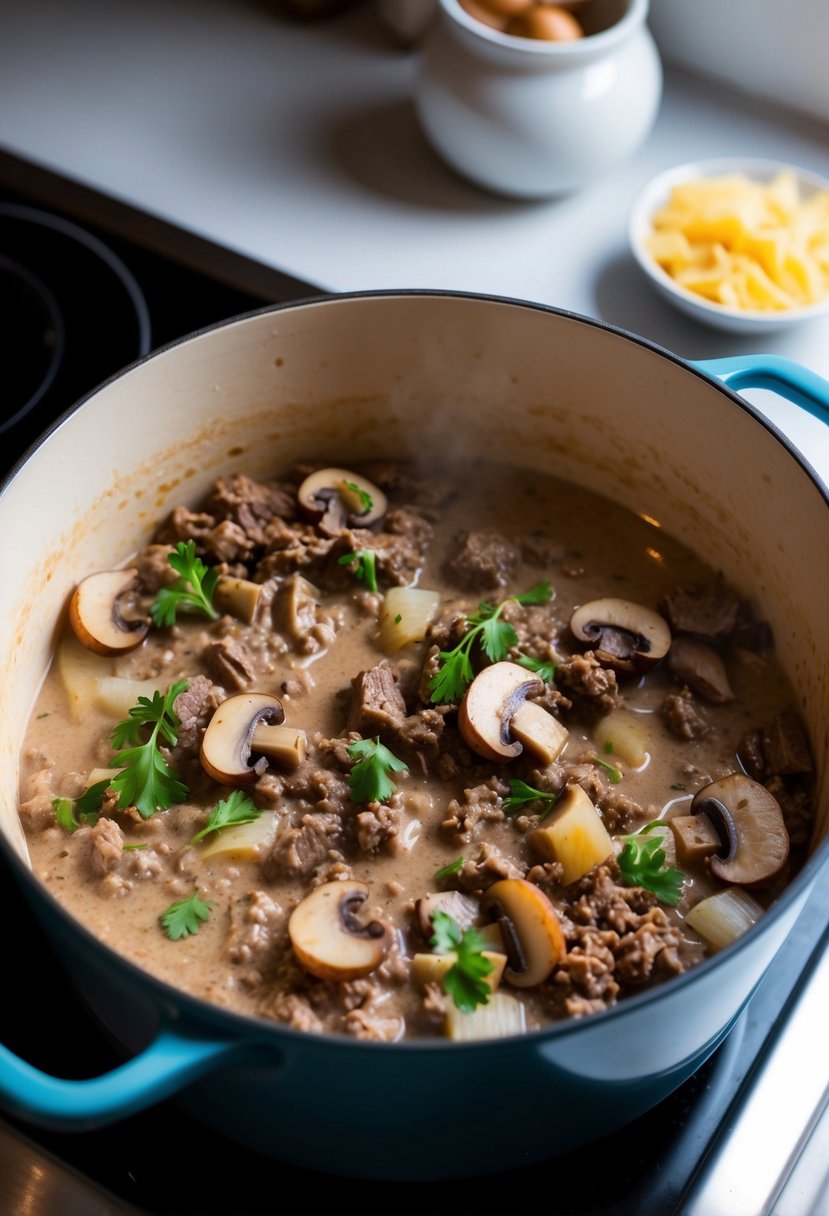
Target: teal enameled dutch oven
x=402 y=374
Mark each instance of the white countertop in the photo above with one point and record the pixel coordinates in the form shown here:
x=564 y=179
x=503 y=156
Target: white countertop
x=297 y=145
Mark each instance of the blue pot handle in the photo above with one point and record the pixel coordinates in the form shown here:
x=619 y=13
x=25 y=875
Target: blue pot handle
x=792 y=381
x=171 y=1061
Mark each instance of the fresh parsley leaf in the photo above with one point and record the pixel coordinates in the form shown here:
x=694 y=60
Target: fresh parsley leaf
x=398 y=619
x=679 y=786
x=146 y=781
x=496 y=638
x=366 y=501
x=229 y=812
x=185 y=916
x=368 y=779
x=452 y=868
x=545 y=671
x=611 y=770
x=608 y=748
x=364 y=562
x=642 y=864
x=464 y=981
x=129 y=848
x=71 y=813
x=520 y=793
x=193 y=590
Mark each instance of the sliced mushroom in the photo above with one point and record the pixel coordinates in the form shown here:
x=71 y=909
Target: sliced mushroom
x=749 y=822
x=533 y=938
x=328 y=938
x=695 y=837
x=495 y=702
x=296 y=606
x=228 y=741
x=284 y=744
x=701 y=668
x=338 y=498
x=95 y=613
x=624 y=635
x=238 y=597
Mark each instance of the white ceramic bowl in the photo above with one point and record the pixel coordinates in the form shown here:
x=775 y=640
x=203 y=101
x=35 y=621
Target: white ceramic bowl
x=655 y=195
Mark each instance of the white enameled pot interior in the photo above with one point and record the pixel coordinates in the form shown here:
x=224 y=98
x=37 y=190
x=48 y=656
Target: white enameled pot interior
x=417 y=376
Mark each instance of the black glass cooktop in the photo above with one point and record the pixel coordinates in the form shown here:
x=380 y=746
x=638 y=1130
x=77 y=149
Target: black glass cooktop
x=161 y=1161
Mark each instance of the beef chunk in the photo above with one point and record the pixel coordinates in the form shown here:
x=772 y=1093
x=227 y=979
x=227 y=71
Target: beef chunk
x=36 y=810
x=194 y=707
x=183 y=524
x=154 y=569
x=377 y=704
x=419 y=736
x=227 y=542
x=682 y=717
x=481 y=561
x=230 y=662
x=403 y=521
x=249 y=504
x=298 y=850
x=751 y=756
x=537 y=550
x=398 y=556
x=106 y=847
x=591 y=687
x=708 y=611
x=489 y=866
x=785 y=747
x=290 y=547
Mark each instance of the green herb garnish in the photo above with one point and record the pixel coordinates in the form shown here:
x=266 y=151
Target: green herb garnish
x=193 y=590
x=521 y=793
x=364 y=562
x=545 y=670
x=130 y=848
x=72 y=812
x=608 y=748
x=464 y=981
x=678 y=786
x=366 y=501
x=368 y=779
x=496 y=637
x=612 y=772
x=230 y=812
x=452 y=868
x=185 y=916
x=642 y=864
x=146 y=781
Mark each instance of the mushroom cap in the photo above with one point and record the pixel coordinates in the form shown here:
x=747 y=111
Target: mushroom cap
x=95 y=613
x=329 y=940
x=488 y=705
x=226 y=746
x=532 y=933
x=755 y=843
x=624 y=635
x=327 y=497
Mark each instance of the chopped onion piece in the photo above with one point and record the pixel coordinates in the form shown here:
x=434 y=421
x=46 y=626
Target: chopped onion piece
x=621 y=734
x=245 y=841
x=81 y=672
x=117 y=695
x=416 y=608
x=724 y=917
x=502 y=1016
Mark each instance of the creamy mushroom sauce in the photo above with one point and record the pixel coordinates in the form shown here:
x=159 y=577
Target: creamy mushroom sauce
x=241 y=957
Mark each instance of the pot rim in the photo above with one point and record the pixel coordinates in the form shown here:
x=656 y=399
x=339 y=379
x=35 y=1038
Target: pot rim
x=250 y=1028
x=533 y=48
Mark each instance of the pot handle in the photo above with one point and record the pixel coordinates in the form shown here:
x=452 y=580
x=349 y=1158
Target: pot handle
x=791 y=380
x=170 y=1062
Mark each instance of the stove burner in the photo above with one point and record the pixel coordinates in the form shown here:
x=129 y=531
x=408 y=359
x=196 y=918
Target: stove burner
x=33 y=341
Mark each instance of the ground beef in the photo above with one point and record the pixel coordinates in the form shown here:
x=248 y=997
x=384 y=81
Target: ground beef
x=481 y=561
x=227 y=542
x=538 y=550
x=709 y=611
x=419 y=736
x=591 y=687
x=257 y=925
x=230 y=663
x=183 y=525
x=487 y=868
x=294 y=1010
x=290 y=547
x=403 y=521
x=619 y=811
x=398 y=557
x=154 y=569
x=797 y=810
x=479 y=804
x=378 y=825
x=373 y=1027
x=682 y=717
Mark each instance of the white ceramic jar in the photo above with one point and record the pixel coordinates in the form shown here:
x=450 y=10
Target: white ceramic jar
x=535 y=119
